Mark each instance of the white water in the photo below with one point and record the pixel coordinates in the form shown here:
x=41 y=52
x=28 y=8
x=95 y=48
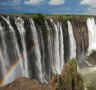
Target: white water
x=72 y=42
x=20 y=25
x=61 y=46
x=49 y=38
x=92 y=34
x=37 y=51
x=17 y=51
x=3 y=68
x=88 y=75
x=3 y=53
x=56 y=50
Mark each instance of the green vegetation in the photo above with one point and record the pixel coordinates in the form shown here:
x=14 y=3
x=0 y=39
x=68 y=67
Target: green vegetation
x=73 y=64
x=38 y=16
x=65 y=17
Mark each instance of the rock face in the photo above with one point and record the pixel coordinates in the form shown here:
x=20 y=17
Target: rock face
x=92 y=58
x=34 y=46
x=68 y=80
x=38 y=46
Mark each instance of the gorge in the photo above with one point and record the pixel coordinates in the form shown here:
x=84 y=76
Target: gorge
x=38 y=46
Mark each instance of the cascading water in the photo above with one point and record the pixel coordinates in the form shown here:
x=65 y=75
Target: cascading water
x=3 y=69
x=20 y=25
x=88 y=73
x=61 y=46
x=52 y=54
x=72 y=42
x=92 y=34
x=49 y=50
x=56 y=57
x=37 y=52
x=17 y=52
x=3 y=53
x=40 y=52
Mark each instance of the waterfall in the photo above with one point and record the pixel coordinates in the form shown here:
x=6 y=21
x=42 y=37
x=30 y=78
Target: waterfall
x=72 y=42
x=29 y=49
x=3 y=53
x=56 y=57
x=37 y=52
x=17 y=53
x=57 y=48
x=88 y=73
x=92 y=34
x=20 y=25
x=3 y=68
x=58 y=51
x=61 y=47
x=49 y=49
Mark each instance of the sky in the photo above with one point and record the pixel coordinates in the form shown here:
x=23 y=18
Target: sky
x=49 y=6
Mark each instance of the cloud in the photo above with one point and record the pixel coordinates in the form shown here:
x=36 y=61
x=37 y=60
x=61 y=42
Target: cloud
x=10 y=2
x=56 y=2
x=90 y=12
x=91 y=3
x=33 y=2
x=91 y=9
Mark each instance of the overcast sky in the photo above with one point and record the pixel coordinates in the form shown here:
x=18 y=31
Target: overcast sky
x=48 y=6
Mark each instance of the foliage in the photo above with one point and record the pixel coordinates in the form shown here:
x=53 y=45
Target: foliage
x=38 y=16
x=65 y=16
x=73 y=64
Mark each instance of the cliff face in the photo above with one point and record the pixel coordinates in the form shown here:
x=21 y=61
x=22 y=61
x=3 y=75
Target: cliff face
x=79 y=24
x=37 y=46
x=80 y=31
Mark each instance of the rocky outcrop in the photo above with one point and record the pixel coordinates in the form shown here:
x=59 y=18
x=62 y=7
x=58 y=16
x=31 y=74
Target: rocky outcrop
x=92 y=58
x=69 y=78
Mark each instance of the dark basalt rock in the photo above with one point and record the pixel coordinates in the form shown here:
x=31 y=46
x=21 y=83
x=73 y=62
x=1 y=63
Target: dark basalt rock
x=92 y=58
